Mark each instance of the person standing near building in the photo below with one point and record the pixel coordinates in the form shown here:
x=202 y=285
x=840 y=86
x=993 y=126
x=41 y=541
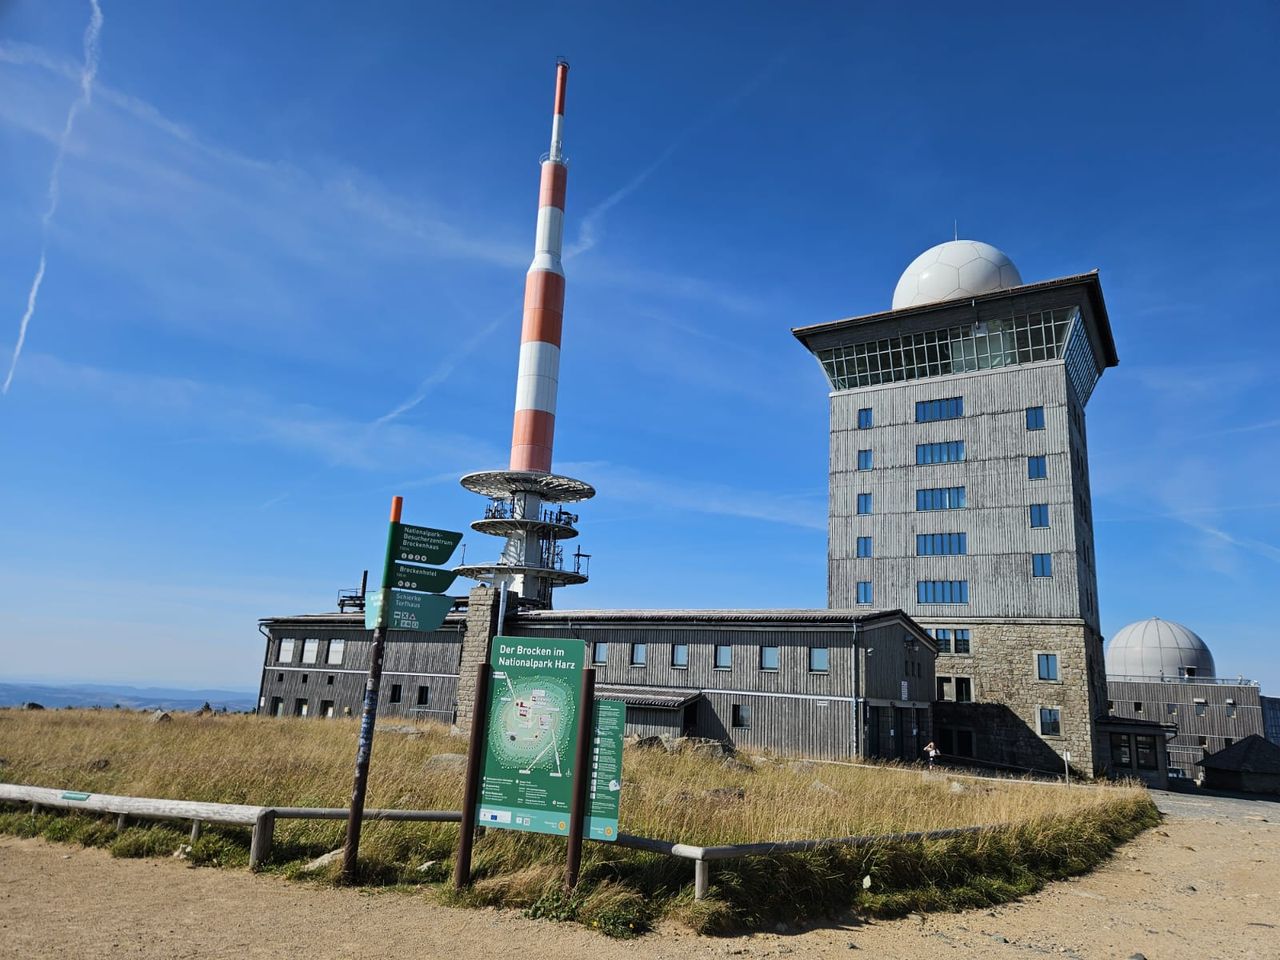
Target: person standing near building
x=931 y=752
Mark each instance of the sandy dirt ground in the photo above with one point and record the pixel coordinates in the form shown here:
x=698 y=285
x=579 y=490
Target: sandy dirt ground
x=1204 y=885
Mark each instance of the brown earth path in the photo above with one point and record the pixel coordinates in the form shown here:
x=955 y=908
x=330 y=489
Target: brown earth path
x=1204 y=885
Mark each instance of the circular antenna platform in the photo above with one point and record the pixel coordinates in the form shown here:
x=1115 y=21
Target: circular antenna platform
x=550 y=487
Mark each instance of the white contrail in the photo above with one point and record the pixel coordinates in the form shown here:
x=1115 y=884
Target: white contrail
x=87 y=74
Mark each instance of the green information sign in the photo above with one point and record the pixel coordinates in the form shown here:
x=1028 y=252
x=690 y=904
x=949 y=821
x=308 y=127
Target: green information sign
x=610 y=718
x=422 y=544
x=430 y=579
x=528 y=756
x=423 y=612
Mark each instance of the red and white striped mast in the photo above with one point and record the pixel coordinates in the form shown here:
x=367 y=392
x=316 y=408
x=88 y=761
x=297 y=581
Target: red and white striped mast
x=532 y=561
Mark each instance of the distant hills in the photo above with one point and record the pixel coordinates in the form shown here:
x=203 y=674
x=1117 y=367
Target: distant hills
x=52 y=696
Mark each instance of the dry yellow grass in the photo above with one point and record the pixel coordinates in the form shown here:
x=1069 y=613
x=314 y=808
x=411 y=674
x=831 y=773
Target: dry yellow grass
x=240 y=759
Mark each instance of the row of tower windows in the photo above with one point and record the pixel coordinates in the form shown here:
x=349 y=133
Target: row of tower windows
x=949 y=408
x=770 y=656
x=948 y=498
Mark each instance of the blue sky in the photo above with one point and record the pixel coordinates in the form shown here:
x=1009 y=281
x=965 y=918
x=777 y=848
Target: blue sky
x=285 y=270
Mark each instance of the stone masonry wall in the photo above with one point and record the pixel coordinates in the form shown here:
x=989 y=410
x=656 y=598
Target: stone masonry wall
x=482 y=626
x=1008 y=695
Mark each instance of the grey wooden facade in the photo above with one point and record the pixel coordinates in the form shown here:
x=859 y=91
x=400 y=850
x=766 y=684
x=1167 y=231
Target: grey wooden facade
x=1003 y=721
x=876 y=666
x=1210 y=714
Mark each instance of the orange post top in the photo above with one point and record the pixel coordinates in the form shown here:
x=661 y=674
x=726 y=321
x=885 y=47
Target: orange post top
x=396 y=504
x=562 y=79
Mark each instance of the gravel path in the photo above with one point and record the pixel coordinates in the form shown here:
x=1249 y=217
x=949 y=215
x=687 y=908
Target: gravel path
x=1202 y=886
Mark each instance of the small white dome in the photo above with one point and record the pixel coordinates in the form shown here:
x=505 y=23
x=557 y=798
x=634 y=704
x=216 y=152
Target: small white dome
x=953 y=270
x=1158 y=648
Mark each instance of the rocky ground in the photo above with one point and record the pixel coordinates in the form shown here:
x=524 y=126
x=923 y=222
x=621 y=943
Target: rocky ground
x=1202 y=886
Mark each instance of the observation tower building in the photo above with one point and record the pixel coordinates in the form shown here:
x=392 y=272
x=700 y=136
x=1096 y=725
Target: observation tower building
x=526 y=501
x=959 y=493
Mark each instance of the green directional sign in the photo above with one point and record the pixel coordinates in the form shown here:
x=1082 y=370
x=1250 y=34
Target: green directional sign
x=422 y=544
x=605 y=789
x=423 y=612
x=407 y=577
x=528 y=755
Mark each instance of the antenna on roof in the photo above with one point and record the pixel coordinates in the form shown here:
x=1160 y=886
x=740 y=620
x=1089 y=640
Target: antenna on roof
x=955 y=225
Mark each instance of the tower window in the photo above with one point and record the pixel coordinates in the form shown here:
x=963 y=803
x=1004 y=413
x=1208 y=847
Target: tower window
x=942 y=591
x=940 y=498
x=639 y=654
x=1041 y=565
x=864 y=503
x=864 y=591
x=1047 y=666
x=724 y=656
x=864 y=459
x=864 y=546
x=680 y=656
x=864 y=419
x=1039 y=514
x=769 y=658
x=941 y=545
x=1037 y=469
x=1035 y=418
x=950 y=452
x=949 y=409
x=1050 y=722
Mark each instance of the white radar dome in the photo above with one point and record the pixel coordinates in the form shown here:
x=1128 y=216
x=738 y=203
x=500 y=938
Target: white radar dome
x=1158 y=648
x=953 y=270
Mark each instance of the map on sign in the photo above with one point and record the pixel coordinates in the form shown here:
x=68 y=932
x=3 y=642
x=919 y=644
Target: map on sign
x=533 y=717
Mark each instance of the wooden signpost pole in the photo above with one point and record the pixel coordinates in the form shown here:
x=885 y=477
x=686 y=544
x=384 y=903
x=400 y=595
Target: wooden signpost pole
x=471 y=789
x=355 y=815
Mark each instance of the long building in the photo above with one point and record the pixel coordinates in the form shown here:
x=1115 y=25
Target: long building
x=959 y=492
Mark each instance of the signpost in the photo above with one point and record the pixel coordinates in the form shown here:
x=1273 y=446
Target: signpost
x=545 y=757
x=395 y=609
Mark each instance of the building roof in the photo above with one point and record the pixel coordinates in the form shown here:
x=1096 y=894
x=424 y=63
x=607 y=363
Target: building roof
x=718 y=616
x=1089 y=280
x=1253 y=754
x=668 y=698
x=1158 y=648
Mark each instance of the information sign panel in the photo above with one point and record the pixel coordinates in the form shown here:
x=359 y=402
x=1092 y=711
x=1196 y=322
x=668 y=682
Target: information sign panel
x=423 y=612
x=429 y=579
x=422 y=544
x=533 y=718
x=605 y=790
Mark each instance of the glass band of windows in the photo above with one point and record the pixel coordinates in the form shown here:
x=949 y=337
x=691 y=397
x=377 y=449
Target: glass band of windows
x=940 y=498
x=941 y=544
x=1082 y=367
x=945 y=635
x=950 y=452
x=942 y=591
x=948 y=408
x=981 y=345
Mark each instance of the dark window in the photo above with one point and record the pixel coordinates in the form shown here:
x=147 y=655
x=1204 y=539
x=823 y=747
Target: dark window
x=1039 y=514
x=1145 y=748
x=424 y=695
x=680 y=656
x=941 y=544
x=1047 y=666
x=1200 y=709
x=1041 y=565
x=600 y=652
x=819 y=659
x=1035 y=418
x=942 y=591
x=962 y=641
x=1050 y=722
x=864 y=546
x=952 y=451
x=741 y=715
x=964 y=743
x=940 y=498
x=948 y=409
x=864 y=459
x=329 y=680
x=1171 y=709
x=1188 y=671
x=1121 y=755
x=639 y=654
x=864 y=503
x=943 y=636
x=724 y=656
x=864 y=591
x=304 y=678
x=300 y=707
x=944 y=688
x=1137 y=706
x=864 y=418
x=769 y=658
x=395 y=693
x=277 y=706
x=1231 y=709
x=279 y=678
x=326 y=708
x=1036 y=468
x=964 y=690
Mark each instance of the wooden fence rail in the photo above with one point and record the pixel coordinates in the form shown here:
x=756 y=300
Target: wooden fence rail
x=263 y=819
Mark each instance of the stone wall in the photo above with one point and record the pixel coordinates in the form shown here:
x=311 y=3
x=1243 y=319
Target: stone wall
x=482 y=626
x=1007 y=693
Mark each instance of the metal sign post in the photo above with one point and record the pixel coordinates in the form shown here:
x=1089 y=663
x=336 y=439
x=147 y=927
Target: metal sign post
x=582 y=778
x=364 y=747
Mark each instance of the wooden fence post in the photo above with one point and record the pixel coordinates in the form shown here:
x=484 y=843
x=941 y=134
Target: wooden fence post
x=701 y=878
x=196 y=827
x=263 y=836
